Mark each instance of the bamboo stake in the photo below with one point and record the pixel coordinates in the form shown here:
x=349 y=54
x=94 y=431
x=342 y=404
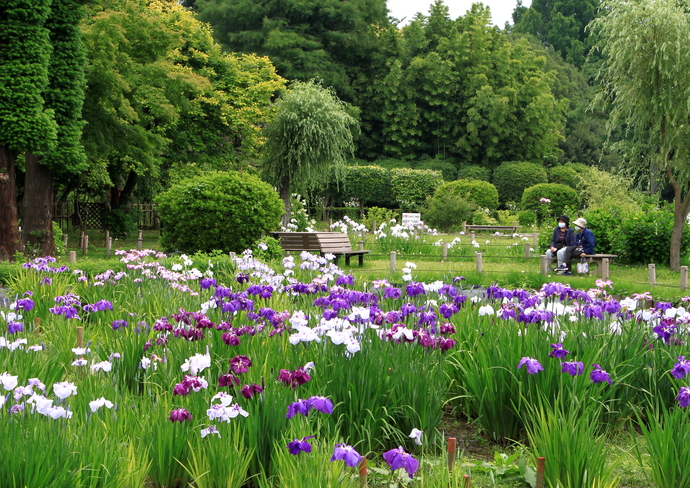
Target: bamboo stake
x=363 y=472
x=451 y=452
x=540 y=472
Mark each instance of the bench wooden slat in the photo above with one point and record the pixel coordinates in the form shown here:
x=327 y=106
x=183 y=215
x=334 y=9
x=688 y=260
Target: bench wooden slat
x=335 y=243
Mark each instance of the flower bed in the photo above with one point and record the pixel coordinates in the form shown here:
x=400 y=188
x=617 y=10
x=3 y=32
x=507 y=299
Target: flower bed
x=247 y=375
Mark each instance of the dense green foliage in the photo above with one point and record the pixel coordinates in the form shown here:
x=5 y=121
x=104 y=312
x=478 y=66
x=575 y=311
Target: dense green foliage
x=411 y=187
x=328 y=39
x=481 y=193
x=474 y=172
x=224 y=211
x=447 y=213
x=447 y=169
x=369 y=185
x=461 y=89
x=562 y=197
x=511 y=179
x=564 y=175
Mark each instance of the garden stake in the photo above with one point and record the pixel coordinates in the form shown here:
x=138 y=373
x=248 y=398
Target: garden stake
x=479 y=262
x=80 y=337
x=65 y=238
x=468 y=481
x=392 y=261
x=107 y=234
x=540 y=472
x=527 y=250
x=72 y=257
x=140 y=240
x=683 y=277
x=86 y=244
x=363 y=472
x=652 y=274
x=451 y=453
x=37 y=327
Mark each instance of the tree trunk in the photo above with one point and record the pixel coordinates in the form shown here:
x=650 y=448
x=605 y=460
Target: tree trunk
x=285 y=195
x=37 y=220
x=9 y=229
x=676 y=235
x=120 y=198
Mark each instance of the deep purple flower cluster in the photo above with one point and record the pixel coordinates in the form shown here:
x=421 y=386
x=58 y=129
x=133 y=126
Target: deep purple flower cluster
x=26 y=304
x=414 y=289
x=343 y=452
x=681 y=368
x=263 y=291
x=240 y=364
x=180 y=415
x=248 y=391
x=558 y=351
x=118 y=324
x=533 y=366
x=573 y=368
x=188 y=384
x=684 y=396
x=293 y=378
x=13 y=327
x=599 y=375
x=207 y=283
x=99 y=306
x=300 y=445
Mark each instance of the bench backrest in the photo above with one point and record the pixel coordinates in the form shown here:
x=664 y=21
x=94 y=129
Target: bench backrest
x=324 y=242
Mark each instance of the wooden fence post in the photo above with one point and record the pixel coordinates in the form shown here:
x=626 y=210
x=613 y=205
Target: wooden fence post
x=65 y=238
x=360 y=244
x=472 y=236
x=652 y=274
x=85 y=250
x=479 y=262
x=683 y=277
x=72 y=257
x=464 y=227
x=140 y=240
x=80 y=336
x=527 y=250
x=81 y=240
x=544 y=265
x=392 y=261
x=444 y=251
x=605 y=272
x=108 y=246
x=535 y=239
x=451 y=453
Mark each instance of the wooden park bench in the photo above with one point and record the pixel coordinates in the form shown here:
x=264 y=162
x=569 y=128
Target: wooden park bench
x=597 y=259
x=335 y=243
x=506 y=229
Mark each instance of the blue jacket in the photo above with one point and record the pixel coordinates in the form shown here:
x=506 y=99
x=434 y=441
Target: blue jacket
x=569 y=237
x=586 y=240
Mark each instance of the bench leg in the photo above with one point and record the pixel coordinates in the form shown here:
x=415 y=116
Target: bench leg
x=335 y=261
x=361 y=260
x=347 y=260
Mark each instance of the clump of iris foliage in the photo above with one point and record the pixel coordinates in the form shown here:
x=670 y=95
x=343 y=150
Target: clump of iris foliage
x=288 y=377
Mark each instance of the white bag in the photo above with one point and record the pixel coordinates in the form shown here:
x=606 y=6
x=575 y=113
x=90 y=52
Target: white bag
x=583 y=267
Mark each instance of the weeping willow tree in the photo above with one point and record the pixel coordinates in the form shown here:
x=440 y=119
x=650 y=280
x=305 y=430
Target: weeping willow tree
x=644 y=79
x=308 y=141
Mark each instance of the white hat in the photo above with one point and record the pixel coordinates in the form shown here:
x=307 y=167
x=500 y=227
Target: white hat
x=581 y=222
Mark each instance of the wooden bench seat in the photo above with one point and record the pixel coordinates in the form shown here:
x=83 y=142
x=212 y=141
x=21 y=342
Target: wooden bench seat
x=508 y=229
x=335 y=243
x=595 y=259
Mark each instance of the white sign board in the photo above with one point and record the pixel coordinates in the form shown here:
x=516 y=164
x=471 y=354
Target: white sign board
x=411 y=218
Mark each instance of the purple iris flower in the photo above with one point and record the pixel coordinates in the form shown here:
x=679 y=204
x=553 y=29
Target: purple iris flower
x=27 y=304
x=180 y=415
x=407 y=309
x=248 y=391
x=207 y=283
x=573 y=368
x=533 y=366
x=558 y=351
x=599 y=375
x=46 y=281
x=663 y=306
x=118 y=324
x=681 y=368
x=299 y=445
x=448 y=310
x=594 y=311
x=392 y=292
x=320 y=403
x=665 y=330
x=240 y=364
x=414 y=289
x=300 y=406
x=242 y=278
x=446 y=344
x=228 y=380
x=230 y=338
x=345 y=280
x=14 y=327
x=684 y=396
x=343 y=452
x=612 y=307
x=398 y=458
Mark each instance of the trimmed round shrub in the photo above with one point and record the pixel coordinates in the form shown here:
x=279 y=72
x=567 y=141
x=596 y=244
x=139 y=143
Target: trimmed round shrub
x=225 y=211
x=474 y=172
x=448 y=170
x=561 y=196
x=411 y=187
x=371 y=185
x=564 y=175
x=482 y=193
x=527 y=218
x=511 y=179
x=448 y=213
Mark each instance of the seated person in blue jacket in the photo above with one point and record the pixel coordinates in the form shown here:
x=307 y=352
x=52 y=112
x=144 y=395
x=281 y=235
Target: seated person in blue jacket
x=563 y=237
x=584 y=244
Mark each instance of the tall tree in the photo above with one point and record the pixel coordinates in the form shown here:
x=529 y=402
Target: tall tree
x=327 y=39
x=560 y=24
x=311 y=133
x=64 y=95
x=25 y=124
x=644 y=78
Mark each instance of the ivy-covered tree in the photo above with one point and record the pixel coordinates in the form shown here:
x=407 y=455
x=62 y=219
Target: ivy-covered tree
x=311 y=133
x=25 y=124
x=64 y=95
